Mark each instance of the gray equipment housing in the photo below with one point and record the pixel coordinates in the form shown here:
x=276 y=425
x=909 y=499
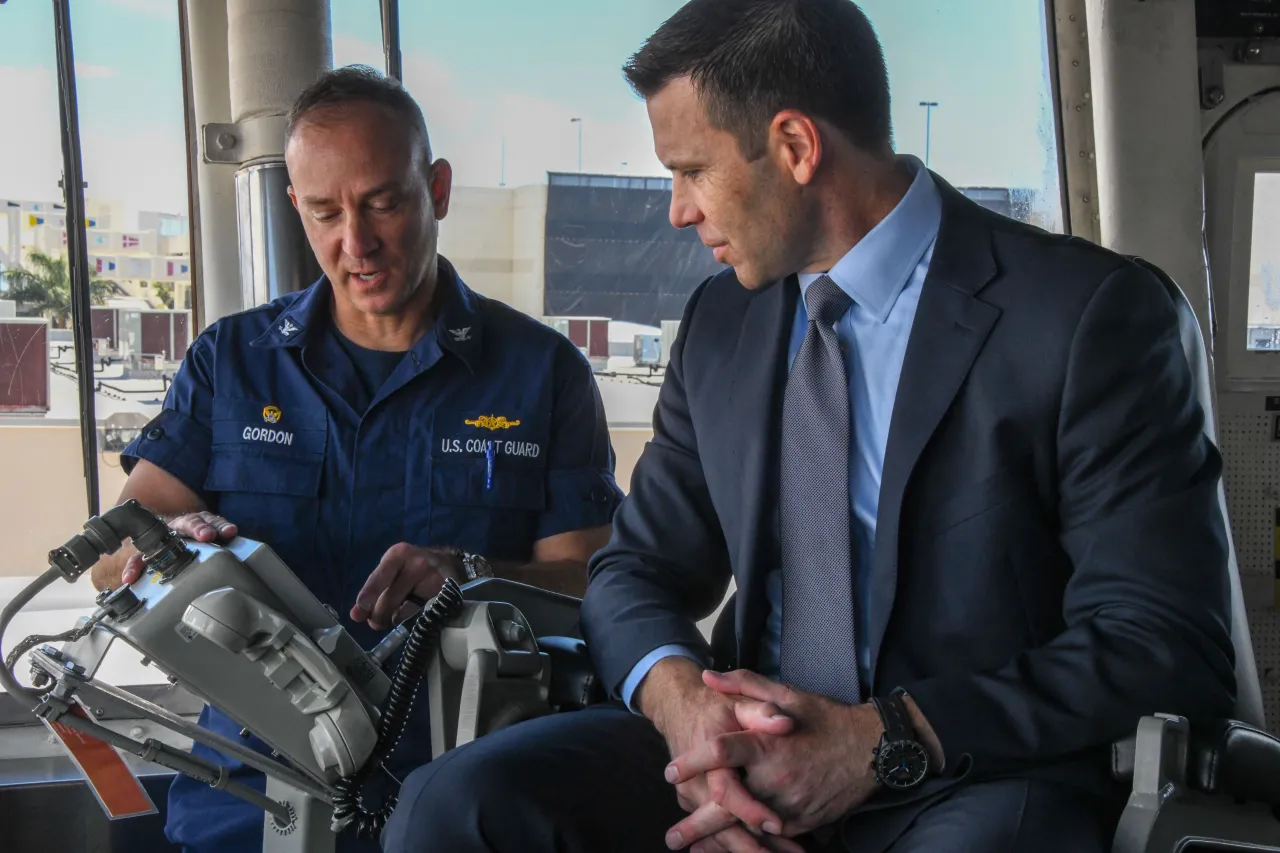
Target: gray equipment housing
x=234 y=621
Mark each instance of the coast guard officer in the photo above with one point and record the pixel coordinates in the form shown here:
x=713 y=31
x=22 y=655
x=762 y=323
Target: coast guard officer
x=381 y=430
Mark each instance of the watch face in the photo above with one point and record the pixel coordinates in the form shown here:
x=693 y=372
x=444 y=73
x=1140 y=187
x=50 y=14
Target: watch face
x=901 y=764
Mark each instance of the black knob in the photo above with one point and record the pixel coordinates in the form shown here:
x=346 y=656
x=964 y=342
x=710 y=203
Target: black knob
x=121 y=603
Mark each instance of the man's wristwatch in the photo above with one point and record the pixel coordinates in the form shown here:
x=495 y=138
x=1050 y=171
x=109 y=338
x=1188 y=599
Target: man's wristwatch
x=900 y=761
x=475 y=566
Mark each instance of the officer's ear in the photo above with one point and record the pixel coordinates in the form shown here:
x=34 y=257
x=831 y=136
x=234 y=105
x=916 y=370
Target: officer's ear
x=293 y=197
x=440 y=185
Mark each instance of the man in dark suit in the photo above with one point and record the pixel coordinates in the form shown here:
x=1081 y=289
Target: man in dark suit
x=952 y=462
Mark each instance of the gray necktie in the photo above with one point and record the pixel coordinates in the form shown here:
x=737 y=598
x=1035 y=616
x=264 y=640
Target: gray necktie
x=818 y=652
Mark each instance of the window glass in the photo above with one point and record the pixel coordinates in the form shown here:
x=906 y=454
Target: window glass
x=1264 y=264
x=129 y=87
x=560 y=205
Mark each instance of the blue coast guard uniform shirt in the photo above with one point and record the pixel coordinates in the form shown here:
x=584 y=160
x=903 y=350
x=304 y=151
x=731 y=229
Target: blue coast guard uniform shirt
x=331 y=453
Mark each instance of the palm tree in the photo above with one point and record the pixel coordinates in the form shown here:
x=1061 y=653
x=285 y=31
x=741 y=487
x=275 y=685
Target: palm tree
x=43 y=288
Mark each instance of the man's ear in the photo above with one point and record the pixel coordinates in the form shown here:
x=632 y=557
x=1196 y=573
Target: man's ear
x=797 y=141
x=440 y=186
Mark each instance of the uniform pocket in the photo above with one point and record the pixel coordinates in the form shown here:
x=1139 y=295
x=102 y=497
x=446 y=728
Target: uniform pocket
x=466 y=482
x=496 y=517
x=267 y=468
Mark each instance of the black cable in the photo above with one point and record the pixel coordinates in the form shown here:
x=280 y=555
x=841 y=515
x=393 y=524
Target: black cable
x=348 y=806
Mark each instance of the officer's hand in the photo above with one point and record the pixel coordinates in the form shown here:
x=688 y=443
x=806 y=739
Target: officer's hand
x=200 y=526
x=404 y=569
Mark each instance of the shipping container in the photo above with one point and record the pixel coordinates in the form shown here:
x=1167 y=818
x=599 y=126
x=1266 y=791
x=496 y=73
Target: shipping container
x=589 y=334
x=103 y=324
x=165 y=332
x=24 y=365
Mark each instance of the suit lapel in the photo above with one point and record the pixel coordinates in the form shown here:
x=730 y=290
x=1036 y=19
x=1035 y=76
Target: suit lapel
x=950 y=327
x=754 y=419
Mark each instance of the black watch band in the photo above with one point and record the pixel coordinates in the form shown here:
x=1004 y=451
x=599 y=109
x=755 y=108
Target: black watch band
x=900 y=761
x=893 y=713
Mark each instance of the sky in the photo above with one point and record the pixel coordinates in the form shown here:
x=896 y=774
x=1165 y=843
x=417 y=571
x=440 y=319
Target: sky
x=499 y=81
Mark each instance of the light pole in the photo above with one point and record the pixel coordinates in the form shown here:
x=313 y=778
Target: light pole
x=928 y=127
x=578 y=122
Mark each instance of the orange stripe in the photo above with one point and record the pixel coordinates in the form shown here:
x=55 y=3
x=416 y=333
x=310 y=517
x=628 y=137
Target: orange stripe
x=119 y=790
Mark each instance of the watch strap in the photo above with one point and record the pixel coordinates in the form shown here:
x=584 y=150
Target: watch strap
x=893 y=713
x=475 y=566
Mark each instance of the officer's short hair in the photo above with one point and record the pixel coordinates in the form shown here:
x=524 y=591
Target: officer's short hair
x=750 y=59
x=359 y=84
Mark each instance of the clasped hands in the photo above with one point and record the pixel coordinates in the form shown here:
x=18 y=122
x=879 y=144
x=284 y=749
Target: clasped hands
x=758 y=763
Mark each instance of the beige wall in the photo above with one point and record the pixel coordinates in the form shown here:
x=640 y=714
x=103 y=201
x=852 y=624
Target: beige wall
x=628 y=444
x=42 y=502
x=495 y=237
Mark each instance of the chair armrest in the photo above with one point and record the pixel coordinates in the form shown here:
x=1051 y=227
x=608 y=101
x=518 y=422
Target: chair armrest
x=574 y=684
x=1224 y=757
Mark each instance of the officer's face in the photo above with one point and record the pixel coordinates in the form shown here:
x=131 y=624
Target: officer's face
x=369 y=203
x=751 y=213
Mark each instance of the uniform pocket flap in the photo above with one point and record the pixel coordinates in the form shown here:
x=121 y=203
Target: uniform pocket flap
x=252 y=423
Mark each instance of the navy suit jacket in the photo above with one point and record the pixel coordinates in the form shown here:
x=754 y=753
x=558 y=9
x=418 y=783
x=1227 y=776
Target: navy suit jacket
x=1050 y=555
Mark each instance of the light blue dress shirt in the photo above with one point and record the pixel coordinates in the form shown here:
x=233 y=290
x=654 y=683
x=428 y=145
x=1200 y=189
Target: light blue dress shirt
x=883 y=274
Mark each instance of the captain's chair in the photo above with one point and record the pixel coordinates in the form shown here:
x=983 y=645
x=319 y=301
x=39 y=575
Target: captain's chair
x=1211 y=785
x=1214 y=785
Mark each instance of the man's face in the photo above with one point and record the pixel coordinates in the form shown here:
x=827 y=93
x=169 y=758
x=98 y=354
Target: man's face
x=369 y=203
x=749 y=213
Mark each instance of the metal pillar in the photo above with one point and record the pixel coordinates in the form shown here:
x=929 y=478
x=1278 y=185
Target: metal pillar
x=215 y=189
x=275 y=258
x=250 y=59
x=1147 y=129
x=391 y=38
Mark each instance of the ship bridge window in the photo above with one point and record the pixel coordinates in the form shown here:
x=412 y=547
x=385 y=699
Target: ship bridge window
x=133 y=148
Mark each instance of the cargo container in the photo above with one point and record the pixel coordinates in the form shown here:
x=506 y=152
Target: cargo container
x=24 y=365
x=589 y=334
x=127 y=331
x=165 y=332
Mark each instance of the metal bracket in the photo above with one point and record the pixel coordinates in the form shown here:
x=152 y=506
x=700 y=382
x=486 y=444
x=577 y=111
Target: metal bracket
x=236 y=144
x=1069 y=49
x=1213 y=88
x=90 y=650
x=1160 y=760
x=106 y=696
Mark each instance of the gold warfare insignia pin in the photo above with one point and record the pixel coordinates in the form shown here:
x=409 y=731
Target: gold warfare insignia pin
x=492 y=422
x=271 y=414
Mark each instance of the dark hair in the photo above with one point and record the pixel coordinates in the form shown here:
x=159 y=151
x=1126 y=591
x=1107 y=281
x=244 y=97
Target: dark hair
x=359 y=84
x=750 y=59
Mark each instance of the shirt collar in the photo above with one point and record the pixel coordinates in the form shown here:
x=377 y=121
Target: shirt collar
x=293 y=326
x=457 y=327
x=876 y=270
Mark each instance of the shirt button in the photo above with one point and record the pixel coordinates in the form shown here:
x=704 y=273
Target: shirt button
x=155 y=434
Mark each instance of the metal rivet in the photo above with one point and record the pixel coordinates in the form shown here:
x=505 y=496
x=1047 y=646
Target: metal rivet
x=136 y=732
x=226 y=141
